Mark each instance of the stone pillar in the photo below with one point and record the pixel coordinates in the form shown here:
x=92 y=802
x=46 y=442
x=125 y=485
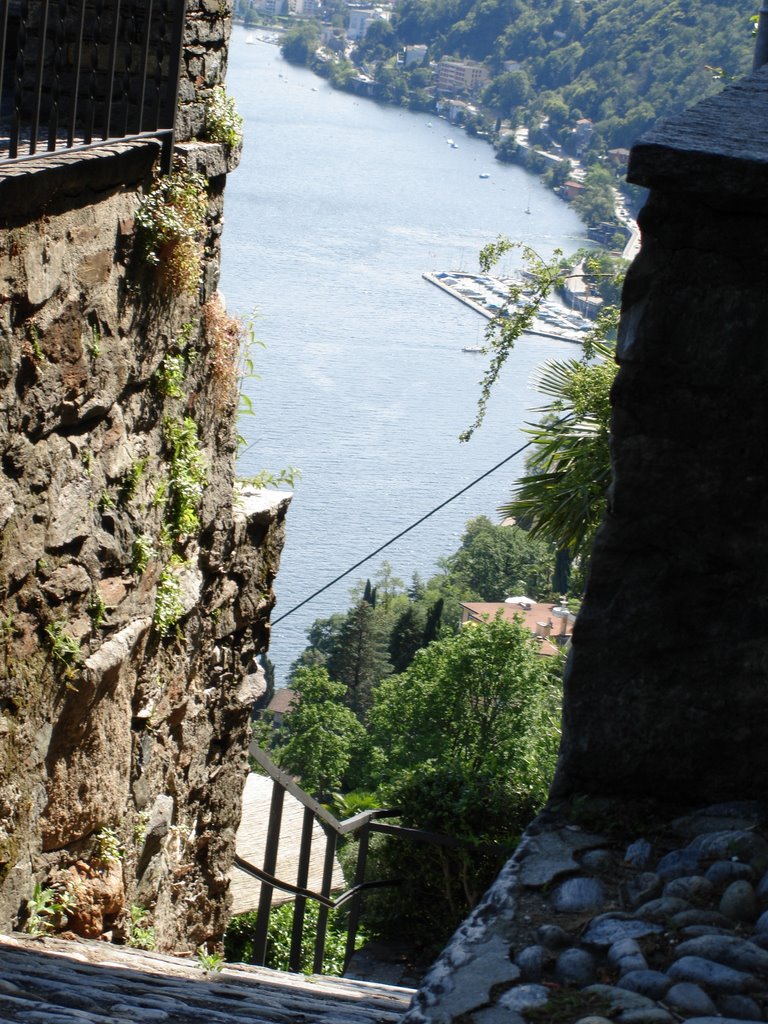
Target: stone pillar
x=667 y=688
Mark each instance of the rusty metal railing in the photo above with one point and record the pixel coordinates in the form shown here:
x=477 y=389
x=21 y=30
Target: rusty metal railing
x=75 y=74
x=363 y=824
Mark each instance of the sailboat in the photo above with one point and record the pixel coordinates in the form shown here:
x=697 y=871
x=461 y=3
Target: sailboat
x=528 y=204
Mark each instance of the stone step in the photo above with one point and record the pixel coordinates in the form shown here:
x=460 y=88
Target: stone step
x=55 y=981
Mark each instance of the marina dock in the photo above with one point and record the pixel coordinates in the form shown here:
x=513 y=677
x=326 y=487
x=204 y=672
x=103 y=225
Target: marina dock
x=489 y=296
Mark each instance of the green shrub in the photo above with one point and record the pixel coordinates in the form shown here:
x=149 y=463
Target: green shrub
x=238 y=939
x=223 y=124
x=169 y=224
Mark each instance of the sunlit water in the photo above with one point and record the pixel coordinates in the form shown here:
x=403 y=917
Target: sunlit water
x=337 y=208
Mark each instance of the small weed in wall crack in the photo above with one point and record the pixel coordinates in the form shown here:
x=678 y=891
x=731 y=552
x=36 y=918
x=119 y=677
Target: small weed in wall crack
x=169 y=606
x=188 y=475
x=169 y=224
x=223 y=124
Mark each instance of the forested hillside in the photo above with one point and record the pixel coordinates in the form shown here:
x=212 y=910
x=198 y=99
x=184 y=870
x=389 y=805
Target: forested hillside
x=620 y=64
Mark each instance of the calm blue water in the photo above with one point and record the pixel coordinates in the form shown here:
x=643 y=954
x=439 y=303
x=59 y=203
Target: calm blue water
x=337 y=208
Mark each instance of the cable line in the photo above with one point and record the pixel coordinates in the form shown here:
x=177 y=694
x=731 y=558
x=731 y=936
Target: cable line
x=402 y=533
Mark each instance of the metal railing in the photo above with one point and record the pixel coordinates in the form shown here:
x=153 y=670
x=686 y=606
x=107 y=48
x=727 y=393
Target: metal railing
x=364 y=824
x=75 y=74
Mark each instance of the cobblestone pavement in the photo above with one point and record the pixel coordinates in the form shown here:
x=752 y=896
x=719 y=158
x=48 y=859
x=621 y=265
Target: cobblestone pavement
x=664 y=925
x=53 y=981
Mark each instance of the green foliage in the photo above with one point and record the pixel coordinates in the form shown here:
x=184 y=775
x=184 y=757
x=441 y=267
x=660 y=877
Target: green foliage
x=501 y=333
x=188 y=475
x=171 y=376
x=622 y=67
x=320 y=735
x=223 y=124
x=288 y=477
x=141 y=934
x=211 y=962
x=65 y=649
x=169 y=223
x=299 y=42
x=109 y=849
x=495 y=562
x=359 y=656
x=143 y=552
x=564 y=490
x=169 y=607
x=238 y=939
x=97 y=609
x=482 y=701
x=47 y=909
x=465 y=742
x=131 y=479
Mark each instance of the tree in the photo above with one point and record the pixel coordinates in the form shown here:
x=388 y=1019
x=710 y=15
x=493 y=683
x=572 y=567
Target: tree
x=359 y=657
x=482 y=701
x=300 y=42
x=494 y=562
x=465 y=740
x=320 y=737
x=564 y=490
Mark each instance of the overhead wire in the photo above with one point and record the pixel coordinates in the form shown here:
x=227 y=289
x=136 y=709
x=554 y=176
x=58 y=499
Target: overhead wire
x=402 y=533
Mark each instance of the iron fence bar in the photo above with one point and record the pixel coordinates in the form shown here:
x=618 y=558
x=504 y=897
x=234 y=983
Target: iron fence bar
x=158 y=136
x=90 y=117
x=302 y=875
x=144 y=62
x=59 y=69
x=4 y=5
x=76 y=76
x=112 y=66
x=331 y=840
x=354 y=910
x=270 y=862
x=15 y=132
x=128 y=73
x=419 y=835
x=278 y=883
x=38 y=93
x=174 y=77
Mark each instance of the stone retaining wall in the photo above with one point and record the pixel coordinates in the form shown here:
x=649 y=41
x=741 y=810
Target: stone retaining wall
x=127 y=641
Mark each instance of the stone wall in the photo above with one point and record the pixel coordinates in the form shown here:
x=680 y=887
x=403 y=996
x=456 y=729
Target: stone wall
x=128 y=630
x=667 y=689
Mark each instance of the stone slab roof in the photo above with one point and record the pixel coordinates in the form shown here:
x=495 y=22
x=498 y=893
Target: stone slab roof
x=53 y=981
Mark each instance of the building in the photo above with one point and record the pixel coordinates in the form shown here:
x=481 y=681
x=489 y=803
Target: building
x=461 y=76
x=550 y=624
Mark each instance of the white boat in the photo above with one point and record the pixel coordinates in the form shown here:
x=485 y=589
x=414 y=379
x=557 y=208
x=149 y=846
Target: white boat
x=454 y=145
x=484 y=175
x=450 y=142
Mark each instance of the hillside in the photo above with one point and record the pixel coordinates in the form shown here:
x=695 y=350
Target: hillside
x=620 y=65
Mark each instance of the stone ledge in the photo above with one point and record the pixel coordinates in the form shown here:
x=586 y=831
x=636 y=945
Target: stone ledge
x=257 y=504
x=718 y=147
x=29 y=187
x=209 y=158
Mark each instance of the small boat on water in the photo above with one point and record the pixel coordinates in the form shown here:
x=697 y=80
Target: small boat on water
x=454 y=145
x=484 y=175
x=472 y=348
x=450 y=142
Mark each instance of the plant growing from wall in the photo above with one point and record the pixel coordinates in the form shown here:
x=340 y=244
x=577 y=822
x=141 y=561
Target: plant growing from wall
x=171 y=376
x=65 y=649
x=47 y=909
x=188 y=477
x=169 y=606
x=223 y=124
x=142 y=553
x=108 y=847
x=141 y=934
x=169 y=225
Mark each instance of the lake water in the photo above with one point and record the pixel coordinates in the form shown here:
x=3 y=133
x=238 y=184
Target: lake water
x=338 y=207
